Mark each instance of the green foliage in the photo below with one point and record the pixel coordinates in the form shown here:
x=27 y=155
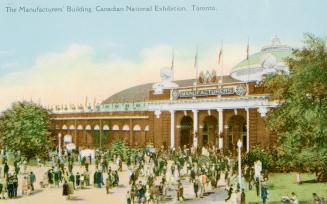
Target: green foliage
x=301 y=119
x=255 y=154
x=97 y=140
x=120 y=148
x=203 y=160
x=131 y=152
x=25 y=128
x=284 y=184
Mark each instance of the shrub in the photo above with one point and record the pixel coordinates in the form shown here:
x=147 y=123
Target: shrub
x=256 y=154
x=120 y=148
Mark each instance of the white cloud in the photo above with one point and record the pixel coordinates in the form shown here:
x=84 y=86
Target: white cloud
x=70 y=76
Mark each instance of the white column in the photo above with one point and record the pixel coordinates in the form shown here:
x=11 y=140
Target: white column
x=172 y=129
x=247 y=129
x=195 y=128
x=220 y=127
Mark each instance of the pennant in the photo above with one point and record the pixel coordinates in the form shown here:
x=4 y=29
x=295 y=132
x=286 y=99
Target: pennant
x=219 y=55
x=196 y=59
x=85 y=104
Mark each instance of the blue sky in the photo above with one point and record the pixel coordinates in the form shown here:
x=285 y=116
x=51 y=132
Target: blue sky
x=130 y=38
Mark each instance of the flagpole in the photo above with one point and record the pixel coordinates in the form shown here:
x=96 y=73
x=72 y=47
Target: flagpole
x=196 y=70
x=221 y=62
x=248 y=64
x=172 y=65
x=196 y=66
x=85 y=104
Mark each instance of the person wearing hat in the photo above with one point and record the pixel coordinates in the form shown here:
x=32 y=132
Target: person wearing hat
x=65 y=189
x=180 y=191
x=196 y=187
x=264 y=193
x=32 y=179
x=78 y=180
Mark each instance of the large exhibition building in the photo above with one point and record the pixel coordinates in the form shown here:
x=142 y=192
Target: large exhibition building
x=211 y=110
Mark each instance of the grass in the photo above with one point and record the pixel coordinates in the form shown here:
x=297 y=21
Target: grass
x=282 y=184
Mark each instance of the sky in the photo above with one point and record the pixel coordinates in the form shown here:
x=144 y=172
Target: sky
x=63 y=57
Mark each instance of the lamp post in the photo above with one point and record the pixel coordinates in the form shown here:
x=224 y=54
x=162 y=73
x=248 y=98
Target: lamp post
x=59 y=144
x=239 y=146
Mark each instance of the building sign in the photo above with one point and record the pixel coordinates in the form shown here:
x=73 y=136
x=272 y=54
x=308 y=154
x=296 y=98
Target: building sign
x=238 y=90
x=121 y=107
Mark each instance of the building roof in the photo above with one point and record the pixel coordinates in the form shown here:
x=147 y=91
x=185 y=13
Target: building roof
x=257 y=59
x=141 y=92
x=270 y=59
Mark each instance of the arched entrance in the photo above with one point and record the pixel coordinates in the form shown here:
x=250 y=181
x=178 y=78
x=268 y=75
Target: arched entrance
x=209 y=132
x=236 y=131
x=186 y=127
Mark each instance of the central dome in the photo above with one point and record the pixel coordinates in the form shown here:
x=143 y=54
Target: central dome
x=269 y=60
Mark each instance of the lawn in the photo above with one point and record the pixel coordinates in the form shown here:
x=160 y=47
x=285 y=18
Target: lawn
x=284 y=184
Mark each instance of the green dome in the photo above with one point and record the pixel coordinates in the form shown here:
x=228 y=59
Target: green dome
x=258 y=58
x=269 y=60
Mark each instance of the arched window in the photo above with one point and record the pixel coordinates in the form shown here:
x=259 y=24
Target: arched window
x=115 y=127
x=64 y=127
x=80 y=127
x=72 y=127
x=96 y=127
x=146 y=129
x=125 y=128
x=137 y=128
x=88 y=127
x=105 y=127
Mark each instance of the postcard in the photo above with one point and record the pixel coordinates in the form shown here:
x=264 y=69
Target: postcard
x=151 y=101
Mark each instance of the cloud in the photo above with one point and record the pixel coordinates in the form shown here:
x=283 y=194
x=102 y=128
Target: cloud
x=69 y=76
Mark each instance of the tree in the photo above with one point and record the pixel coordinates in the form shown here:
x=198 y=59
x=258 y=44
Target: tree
x=255 y=154
x=120 y=149
x=25 y=127
x=301 y=119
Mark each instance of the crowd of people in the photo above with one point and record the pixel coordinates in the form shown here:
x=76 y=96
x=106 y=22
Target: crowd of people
x=9 y=178
x=155 y=174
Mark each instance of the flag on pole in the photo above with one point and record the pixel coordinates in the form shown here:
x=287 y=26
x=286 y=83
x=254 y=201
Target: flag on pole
x=220 y=54
x=85 y=104
x=196 y=59
x=196 y=66
x=220 y=62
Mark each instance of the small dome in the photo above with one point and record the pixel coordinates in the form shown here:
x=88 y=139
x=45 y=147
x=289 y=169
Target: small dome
x=270 y=59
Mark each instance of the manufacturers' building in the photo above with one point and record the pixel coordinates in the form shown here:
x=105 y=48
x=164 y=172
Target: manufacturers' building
x=211 y=110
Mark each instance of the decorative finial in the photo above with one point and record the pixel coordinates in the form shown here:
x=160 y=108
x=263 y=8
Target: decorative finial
x=275 y=40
